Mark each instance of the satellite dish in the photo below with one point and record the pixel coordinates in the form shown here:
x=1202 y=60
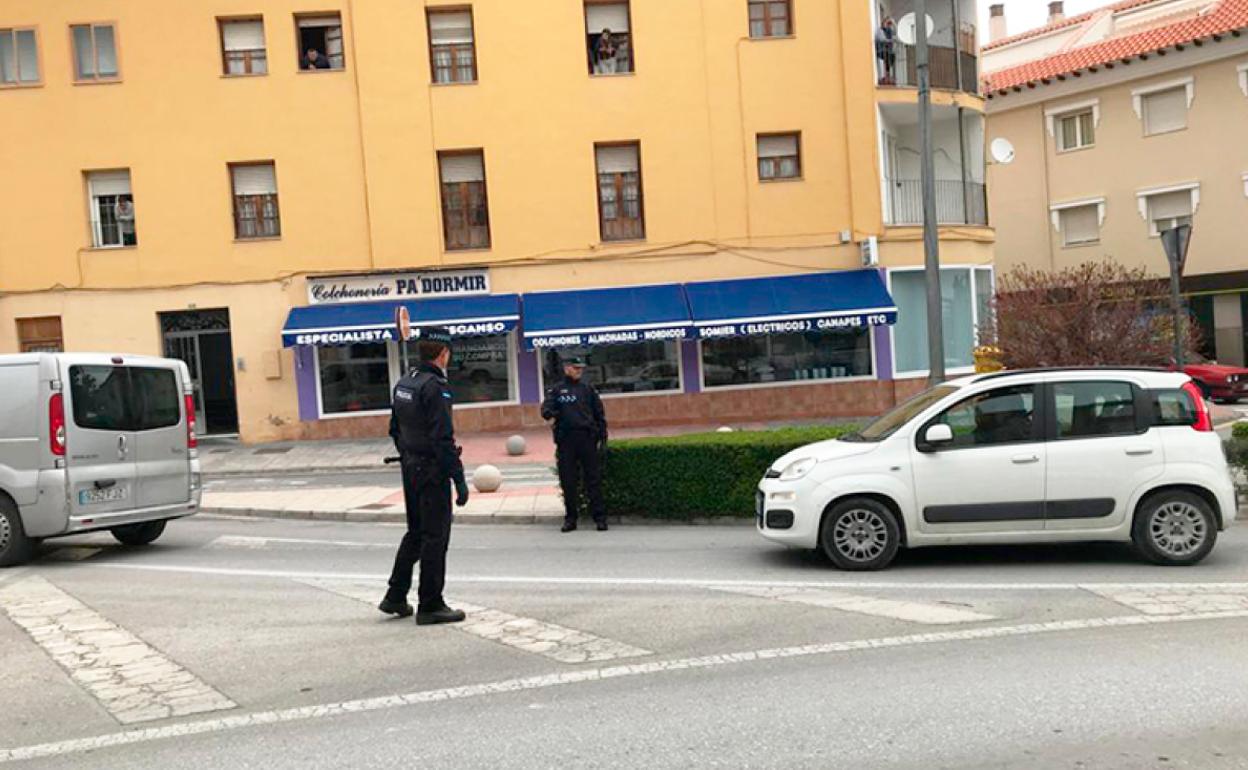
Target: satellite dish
x=907 y=30
x=1002 y=150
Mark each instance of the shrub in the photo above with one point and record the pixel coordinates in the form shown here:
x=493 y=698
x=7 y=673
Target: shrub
x=1240 y=431
x=1237 y=454
x=698 y=475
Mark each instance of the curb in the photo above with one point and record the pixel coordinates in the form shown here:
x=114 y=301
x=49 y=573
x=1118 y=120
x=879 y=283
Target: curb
x=394 y=517
x=331 y=469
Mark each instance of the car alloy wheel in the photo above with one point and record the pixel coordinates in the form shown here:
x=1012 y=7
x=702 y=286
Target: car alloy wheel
x=6 y=533
x=860 y=535
x=1178 y=529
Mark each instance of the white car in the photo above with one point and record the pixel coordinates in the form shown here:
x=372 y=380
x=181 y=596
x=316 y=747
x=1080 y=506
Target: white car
x=1013 y=457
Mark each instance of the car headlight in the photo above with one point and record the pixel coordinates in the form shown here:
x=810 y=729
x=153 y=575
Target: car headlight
x=798 y=468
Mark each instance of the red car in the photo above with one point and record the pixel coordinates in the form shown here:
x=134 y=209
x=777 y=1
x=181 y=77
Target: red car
x=1221 y=383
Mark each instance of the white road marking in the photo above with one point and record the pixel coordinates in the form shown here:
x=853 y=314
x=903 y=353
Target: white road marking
x=1174 y=600
x=576 y=676
x=914 y=612
x=878 y=585
x=262 y=543
x=132 y=680
x=566 y=645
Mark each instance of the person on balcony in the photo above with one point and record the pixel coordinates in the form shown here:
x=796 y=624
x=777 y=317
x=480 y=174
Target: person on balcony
x=886 y=51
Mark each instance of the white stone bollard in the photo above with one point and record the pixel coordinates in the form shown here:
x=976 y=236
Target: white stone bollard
x=723 y=429
x=516 y=445
x=487 y=478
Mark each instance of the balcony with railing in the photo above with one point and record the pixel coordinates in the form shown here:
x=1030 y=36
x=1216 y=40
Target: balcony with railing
x=953 y=49
x=958 y=152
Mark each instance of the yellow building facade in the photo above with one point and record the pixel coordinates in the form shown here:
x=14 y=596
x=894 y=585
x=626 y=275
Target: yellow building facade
x=188 y=174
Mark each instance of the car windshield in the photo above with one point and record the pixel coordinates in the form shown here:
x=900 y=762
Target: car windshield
x=891 y=422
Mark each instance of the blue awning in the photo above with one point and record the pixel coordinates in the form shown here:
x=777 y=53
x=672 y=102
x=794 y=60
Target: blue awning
x=850 y=299
x=351 y=323
x=606 y=316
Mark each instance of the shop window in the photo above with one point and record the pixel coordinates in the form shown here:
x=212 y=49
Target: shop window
x=786 y=358
x=644 y=367
x=19 y=58
x=354 y=378
x=112 y=209
x=480 y=371
x=242 y=47
x=608 y=38
x=771 y=18
x=621 y=217
x=961 y=310
x=465 y=208
x=779 y=156
x=256 y=214
x=320 y=42
x=95 y=52
x=40 y=335
x=452 y=48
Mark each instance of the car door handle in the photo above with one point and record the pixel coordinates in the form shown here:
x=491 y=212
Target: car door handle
x=1025 y=459
x=121 y=447
x=1139 y=452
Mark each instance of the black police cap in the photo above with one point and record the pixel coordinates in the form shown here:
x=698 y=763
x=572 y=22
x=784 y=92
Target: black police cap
x=439 y=334
x=574 y=361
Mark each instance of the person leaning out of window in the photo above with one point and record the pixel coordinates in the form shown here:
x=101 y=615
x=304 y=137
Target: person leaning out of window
x=605 y=53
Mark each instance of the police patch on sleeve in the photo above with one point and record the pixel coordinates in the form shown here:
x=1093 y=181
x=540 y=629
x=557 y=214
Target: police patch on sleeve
x=403 y=394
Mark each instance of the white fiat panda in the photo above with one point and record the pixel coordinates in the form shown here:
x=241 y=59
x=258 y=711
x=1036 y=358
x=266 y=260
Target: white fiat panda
x=1014 y=457
x=93 y=442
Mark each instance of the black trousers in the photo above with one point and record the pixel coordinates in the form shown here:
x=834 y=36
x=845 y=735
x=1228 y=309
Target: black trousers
x=427 y=495
x=577 y=455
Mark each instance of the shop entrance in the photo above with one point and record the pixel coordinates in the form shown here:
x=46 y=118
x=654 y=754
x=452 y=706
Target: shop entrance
x=201 y=338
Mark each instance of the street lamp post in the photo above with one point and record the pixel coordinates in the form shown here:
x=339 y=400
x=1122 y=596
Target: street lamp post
x=931 y=239
x=1175 y=241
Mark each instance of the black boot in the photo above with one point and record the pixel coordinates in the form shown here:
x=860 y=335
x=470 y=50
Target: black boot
x=602 y=526
x=400 y=608
x=568 y=526
x=438 y=615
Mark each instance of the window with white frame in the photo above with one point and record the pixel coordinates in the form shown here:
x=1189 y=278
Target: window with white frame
x=1163 y=108
x=19 y=58
x=1079 y=222
x=1167 y=210
x=966 y=296
x=779 y=156
x=242 y=47
x=1076 y=130
x=640 y=367
x=256 y=214
x=95 y=52
x=112 y=209
x=608 y=37
x=354 y=378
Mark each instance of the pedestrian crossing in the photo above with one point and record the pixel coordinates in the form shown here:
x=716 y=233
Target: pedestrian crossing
x=913 y=612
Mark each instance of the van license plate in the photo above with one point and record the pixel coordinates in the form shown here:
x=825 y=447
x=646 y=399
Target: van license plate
x=98 y=496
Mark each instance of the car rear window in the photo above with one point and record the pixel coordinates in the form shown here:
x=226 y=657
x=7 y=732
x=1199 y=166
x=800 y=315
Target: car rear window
x=1173 y=407
x=156 y=398
x=99 y=397
x=120 y=398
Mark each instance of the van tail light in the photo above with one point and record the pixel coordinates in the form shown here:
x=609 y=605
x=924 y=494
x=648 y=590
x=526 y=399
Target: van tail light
x=1204 y=420
x=191 y=441
x=56 y=424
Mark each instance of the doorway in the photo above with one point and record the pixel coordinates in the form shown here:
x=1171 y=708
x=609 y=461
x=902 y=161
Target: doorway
x=201 y=338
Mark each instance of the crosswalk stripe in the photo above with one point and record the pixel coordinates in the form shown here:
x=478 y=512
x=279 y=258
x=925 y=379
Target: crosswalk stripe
x=1178 y=600
x=559 y=643
x=914 y=612
x=261 y=543
x=132 y=680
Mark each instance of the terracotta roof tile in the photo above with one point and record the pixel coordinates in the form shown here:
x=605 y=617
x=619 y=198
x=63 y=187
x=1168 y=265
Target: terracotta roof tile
x=1230 y=15
x=1071 y=21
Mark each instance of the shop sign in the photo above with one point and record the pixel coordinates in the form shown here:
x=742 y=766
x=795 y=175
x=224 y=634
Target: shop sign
x=385 y=287
x=615 y=337
x=345 y=337
x=799 y=325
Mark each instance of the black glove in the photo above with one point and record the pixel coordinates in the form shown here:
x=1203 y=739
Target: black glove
x=602 y=443
x=461 y=490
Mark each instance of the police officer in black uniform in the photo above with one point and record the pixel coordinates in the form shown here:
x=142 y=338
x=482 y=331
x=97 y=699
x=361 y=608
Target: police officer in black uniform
x=420 y=424
x=580 y=438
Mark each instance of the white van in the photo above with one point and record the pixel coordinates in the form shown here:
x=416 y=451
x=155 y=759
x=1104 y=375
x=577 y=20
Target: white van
x=93 y=442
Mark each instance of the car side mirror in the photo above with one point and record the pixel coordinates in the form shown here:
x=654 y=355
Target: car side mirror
x=938 y=435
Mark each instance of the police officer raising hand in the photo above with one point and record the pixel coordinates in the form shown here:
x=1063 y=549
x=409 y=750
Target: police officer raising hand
x=580 y=427
x=421 y=426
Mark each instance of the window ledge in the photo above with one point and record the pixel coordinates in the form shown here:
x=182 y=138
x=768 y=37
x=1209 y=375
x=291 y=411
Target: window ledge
x=111 y=248
x=20 y=86
x=781 y=179
x=1164 y=133
x=1082 y=245
x=473 y=250
x=260 y=239
x=243 y=75
x=98 y=82
x=763 y=38
x=302 y=71
x=1072 y=150
x=451 y=83
x=616 y=241
x=613 y=74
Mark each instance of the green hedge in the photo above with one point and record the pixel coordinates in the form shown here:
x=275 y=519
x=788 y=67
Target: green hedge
x=1240 y=431
x=698 y=475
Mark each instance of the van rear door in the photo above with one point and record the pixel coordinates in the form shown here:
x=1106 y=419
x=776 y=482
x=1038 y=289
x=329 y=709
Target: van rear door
x=160 y=439
x=100 y=445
